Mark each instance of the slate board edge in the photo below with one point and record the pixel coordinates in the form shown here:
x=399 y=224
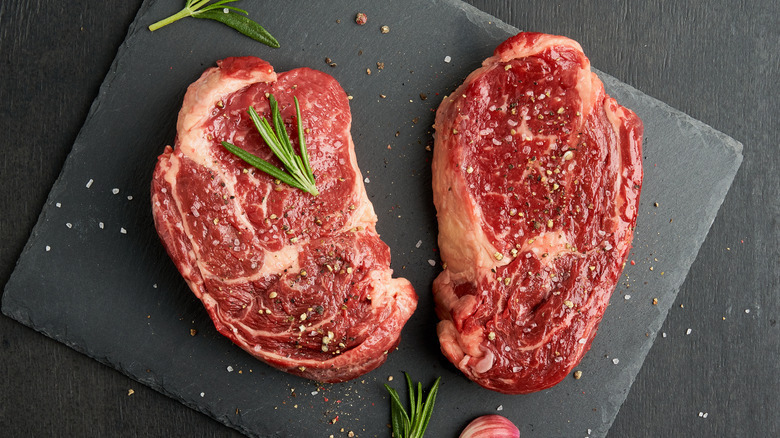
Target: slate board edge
x=473 y=14
x=93 y=109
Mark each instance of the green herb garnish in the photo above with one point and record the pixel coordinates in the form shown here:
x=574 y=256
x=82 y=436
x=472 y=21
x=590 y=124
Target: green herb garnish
x=412 y=426
x=299 y=173
x=220 y=11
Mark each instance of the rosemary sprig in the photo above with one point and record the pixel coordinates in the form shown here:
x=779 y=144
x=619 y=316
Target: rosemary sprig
x=220 y=11
x=413 y=424
x=299 y=173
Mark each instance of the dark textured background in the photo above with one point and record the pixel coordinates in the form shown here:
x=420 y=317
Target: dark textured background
x=718 y=62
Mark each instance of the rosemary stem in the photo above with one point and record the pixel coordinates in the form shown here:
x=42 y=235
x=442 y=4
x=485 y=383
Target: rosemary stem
x=186 y=12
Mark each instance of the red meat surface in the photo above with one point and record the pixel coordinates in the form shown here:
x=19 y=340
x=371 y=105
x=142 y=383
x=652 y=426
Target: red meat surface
x=301 y=282
x=536 y=181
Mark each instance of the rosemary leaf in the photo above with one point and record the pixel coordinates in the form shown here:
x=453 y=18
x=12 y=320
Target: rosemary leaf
x=242 y=24
x=298 y=171
x=414 y=425
x=221 y=12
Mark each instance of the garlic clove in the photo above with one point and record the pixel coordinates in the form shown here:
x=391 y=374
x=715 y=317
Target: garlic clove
x=490 y=426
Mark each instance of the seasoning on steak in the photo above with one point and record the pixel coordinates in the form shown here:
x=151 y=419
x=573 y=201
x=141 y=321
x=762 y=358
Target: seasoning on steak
x=536 y=180
x=301 y=282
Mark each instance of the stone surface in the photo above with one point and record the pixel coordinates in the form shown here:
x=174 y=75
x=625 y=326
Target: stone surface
x=97 y=285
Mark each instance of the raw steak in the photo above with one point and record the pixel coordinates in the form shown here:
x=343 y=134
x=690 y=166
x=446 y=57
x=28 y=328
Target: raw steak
x=536 y=180
x=300 y=282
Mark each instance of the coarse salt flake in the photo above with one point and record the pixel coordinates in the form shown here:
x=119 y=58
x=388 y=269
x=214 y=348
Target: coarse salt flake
x=432 y=262
x=230 y=369
x=89 y=183
x=115 y=191
x=101 y=225
x=627 y=297
x=582 y=340
x=129 y=197
x=447 y=58
x=616 y=361
x=418 y=244
x=747 y=310
x=58 y=205
x=48 y=248
x=69 y=225
x=500 y=408
x=663 y=334
x=688 y=332
x=367 y=180
x=123 y=231
x=202 y=394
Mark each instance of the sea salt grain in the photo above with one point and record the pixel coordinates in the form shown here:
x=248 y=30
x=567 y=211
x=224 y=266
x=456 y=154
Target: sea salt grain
x=101 y=225
x=500 y=408
x=230 y=369
x=89 y=183
x=48 y=248
x=69 y=225
x=367 y=180
x=418 y=244
x=129 y=198
x=432 y=262
x=627 y=297
x=616 y=361
x=202 y=394
x=115 y=191
x=123 y=231
x=663 y=334
x=688 y=332
x=447 y=58
x=747 y=310
x=58 y=205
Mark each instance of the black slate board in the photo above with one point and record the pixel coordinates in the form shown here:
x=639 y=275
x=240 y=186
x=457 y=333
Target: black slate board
x=117 y=297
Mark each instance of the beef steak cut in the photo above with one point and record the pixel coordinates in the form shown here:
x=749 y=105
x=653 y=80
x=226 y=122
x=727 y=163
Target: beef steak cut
x=300 y=282
x=536 y=180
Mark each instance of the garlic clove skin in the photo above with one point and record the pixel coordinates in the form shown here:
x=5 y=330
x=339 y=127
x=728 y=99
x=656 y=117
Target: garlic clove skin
x=490 y=426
